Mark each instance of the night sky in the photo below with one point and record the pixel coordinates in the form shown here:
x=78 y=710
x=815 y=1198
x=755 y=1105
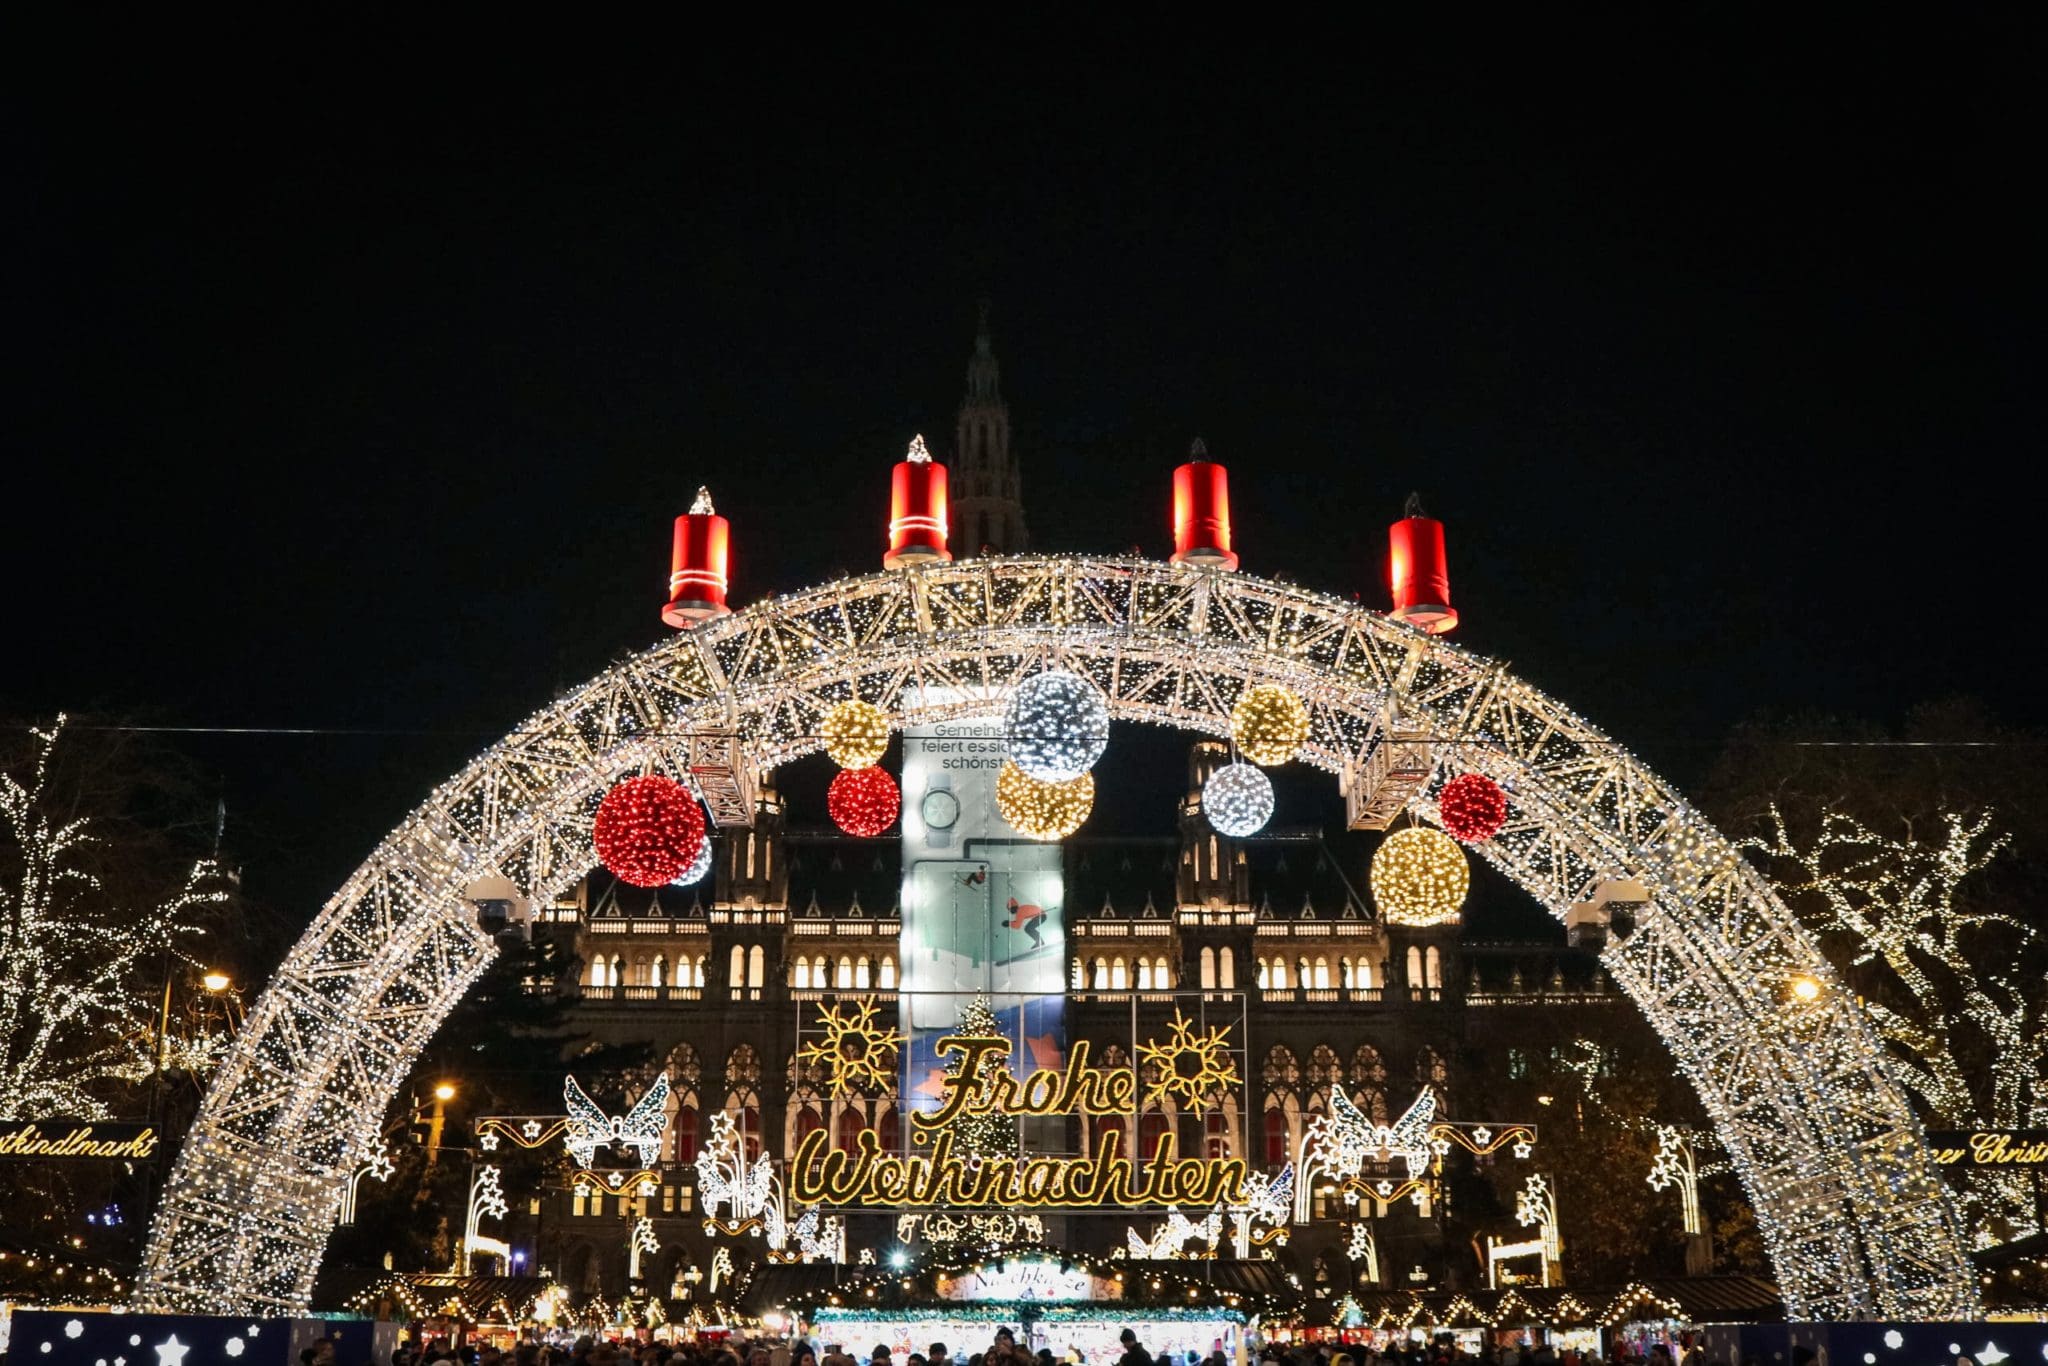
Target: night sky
x=358 y=391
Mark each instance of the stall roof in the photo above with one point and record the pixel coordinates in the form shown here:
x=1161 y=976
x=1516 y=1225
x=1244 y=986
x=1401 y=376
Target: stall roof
x=1696 y=1299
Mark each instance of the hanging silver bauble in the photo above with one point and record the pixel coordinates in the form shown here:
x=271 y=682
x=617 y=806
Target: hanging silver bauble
x=1057 y=725
x=1238 y=800
x=699 y=865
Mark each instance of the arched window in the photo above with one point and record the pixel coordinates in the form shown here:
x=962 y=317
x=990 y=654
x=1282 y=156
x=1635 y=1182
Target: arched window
x=750 y=1131
x=1361 y=972
x=888 y=982
x=757 y=965
x=1304 y=972
x=750 y=854
x=738 y=977
x=850 y=1126
x=657 y=972
x=1432 y=967
x=1119 y=977
x=1226 y=964
x=1265 y=975
x=1162 y=975
x=683 y=1132
x=1080 y=974
x=1414 y=966
x=860 y=973
x=803 y=972
x=597 y=967
x=1280 y=973
x=1344 y=972
x=1323 y=972
x=1112 y=1124
x=891 y=1129
x=844 y=980
x=1101 y=974
x=1152 y=1130
x=1216 y=1136
x=1276 y=1137
x=1208 y=968
x=1144 y=974
x=1281 y=1068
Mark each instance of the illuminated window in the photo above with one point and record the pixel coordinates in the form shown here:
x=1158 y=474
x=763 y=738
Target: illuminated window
x=1162 y=975
x=1144 y=974
x=737 y=978
x=683 y=1131
x=1276 y=1138
x=1208 y=967
x=1226 y=963
x=803 y=972
x=888 y=982
x=1432 y=967
x=1101 y=974
x=657 y=972
x=1119 y=979
x=860 y=973
x=844 y=981
x=1152 y=1130
x=1323 y=972
x=1216 y=1135
x=1414 y=966
x=757 y=965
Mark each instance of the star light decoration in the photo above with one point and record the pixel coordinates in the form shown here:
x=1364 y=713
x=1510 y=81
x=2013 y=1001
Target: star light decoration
x=856 y=733
x=1057 y=725
x=1192 y=1066
x=727 y=1182
x=857 y=1049
x=1270 y=724
x=1420 y=877
x=1041 y=810
x=1238 y=800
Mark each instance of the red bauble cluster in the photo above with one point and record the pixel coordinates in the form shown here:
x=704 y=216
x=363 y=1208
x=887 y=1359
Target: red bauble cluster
x=648 y=830
x=1473 y=807
x=863 y=801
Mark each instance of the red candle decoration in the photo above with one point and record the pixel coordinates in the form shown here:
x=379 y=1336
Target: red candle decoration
x=1201 y=512
x=648 y=830
x=698 y=566
x=863 y=801
x=1473 y=807
x=1419 y=572
x=917 y=510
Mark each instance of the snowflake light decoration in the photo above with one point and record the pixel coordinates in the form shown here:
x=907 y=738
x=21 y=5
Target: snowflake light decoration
x=1238 y=800
x=859 y=1050
x=1192 y=1066
x=1057 y=725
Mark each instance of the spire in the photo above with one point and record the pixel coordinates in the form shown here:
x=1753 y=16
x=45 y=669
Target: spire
x=987 y=501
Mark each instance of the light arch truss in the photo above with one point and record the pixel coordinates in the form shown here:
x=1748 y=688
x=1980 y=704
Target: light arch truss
x=1823 y=1140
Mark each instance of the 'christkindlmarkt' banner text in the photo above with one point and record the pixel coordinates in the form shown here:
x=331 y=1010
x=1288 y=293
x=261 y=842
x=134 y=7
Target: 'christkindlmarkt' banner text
x=70 y=1140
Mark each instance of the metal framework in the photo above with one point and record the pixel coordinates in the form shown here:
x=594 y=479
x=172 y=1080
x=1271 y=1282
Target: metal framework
x=1823 y=1140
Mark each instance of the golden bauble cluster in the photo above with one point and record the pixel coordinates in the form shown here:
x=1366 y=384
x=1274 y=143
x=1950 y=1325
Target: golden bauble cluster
x=1420 y=877
x=1042 y=810
x=1269 y=724
x=856 y=733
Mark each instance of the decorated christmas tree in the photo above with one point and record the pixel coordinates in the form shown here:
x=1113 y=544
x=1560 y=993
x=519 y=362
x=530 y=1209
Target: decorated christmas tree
x=988 y=1135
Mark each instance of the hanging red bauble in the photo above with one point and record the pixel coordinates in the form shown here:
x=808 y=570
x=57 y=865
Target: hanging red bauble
x=863 y=801
x=648 y=830
x=1473 y=807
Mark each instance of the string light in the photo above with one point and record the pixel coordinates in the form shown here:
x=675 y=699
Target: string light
x=1472 y=807
x=648 y=830
x=1238 y=800
x=856 y=733
x=863 y=801
x=1040 y=810
x=1419 y=877
x=1269 y=724
x=1057 y=725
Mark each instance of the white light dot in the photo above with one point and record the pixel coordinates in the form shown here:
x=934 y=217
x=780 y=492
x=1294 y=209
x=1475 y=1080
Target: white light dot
x=46 y=1347
x=1956 y=1347
x=74 y=1329
x=255 y=1330
x=1894 y=1340
x=135 y=1340
x=234 y=1347
x=1869 y=1356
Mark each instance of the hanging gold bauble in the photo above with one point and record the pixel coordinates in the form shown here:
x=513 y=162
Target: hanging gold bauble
x=1270 y=724
x=1420 y=877
x=856 y=733
x=1042 y=810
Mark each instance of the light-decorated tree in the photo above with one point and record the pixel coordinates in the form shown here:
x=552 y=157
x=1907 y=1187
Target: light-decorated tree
x=83 y=950
x=989 y=1135
x=1919 y=857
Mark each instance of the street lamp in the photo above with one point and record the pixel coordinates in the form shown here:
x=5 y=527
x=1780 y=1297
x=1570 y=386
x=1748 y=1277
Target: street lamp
x=443 y=1093
x=216 y=982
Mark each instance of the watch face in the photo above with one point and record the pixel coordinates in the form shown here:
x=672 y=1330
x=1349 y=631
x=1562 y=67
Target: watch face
x=940 y=809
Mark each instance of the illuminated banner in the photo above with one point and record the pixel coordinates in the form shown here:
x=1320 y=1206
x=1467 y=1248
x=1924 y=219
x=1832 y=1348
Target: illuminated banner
x=983 y=907
x=72 y=1140
x=1988 y=1147
x=980 y=1083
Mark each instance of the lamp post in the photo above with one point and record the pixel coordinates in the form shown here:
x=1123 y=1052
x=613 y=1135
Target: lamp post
x=443 y=1093
x=215 y=982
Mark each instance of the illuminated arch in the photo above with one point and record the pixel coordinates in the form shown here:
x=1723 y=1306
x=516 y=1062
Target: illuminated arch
x=1825 y=1143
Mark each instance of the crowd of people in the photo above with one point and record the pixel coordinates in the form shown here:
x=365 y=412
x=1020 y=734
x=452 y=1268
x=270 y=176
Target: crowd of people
x=1005 y=1350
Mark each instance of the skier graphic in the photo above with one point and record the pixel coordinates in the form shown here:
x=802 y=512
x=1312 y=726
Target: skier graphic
x=1026 y=917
